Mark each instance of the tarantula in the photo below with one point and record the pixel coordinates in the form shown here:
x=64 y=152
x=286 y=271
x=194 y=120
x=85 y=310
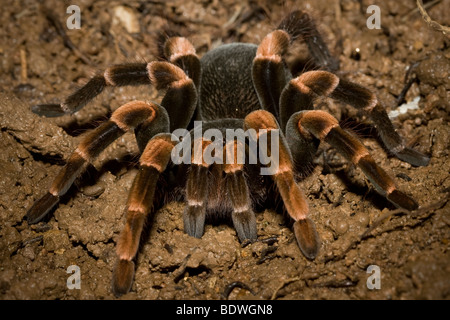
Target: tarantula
x=235 y=86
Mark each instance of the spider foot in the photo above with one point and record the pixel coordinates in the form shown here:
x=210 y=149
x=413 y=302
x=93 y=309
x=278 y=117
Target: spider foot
x=245 y=225
x=307 y=237
x=413 y=157
x=194 y=220
x=48 y=110
x=402 y=200
x=41 y=207
x=122 y=277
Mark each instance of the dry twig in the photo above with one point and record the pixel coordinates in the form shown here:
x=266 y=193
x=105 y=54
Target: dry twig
x=432 y=24
x=23 y=66
x=54 y=21
x=421 y=213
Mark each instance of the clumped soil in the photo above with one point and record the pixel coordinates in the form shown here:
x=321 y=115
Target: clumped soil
x=37 y=65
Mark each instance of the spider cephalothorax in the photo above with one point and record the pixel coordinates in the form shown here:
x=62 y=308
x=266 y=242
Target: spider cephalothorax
x=236 y=86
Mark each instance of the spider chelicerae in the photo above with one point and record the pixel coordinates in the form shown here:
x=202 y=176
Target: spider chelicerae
x=235 y=86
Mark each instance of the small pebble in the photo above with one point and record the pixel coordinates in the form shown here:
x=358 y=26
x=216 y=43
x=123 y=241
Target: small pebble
x=95 y=190
x=127 y=17
x=55 y=240
x=418 y=45
x=363 y=219
x=341 y=227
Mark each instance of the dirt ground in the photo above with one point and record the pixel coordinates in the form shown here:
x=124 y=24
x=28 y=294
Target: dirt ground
x=36 y=65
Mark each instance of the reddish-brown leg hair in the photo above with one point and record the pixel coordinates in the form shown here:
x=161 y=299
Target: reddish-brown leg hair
x=196 y=191
x=181 y=52
x=117 y=75
x=173 y=77
x=123 y=119
x=299 y=25
x=243 y=217
x=301 y=91
x=268 y=70
x=293 y=198
x=146 y=118
x=321 y=125
x=152 y=163
x=269 y=78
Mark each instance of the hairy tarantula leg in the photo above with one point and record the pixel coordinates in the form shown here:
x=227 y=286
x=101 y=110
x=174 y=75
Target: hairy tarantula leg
x=180 y=99
x=153 y=162
x=117 y=75
x=243 y=217
x=124 y=118
x=359 y=97
x=325 y=127
x=181 y=52
x=268 y=70
x=196 y=195
x=293 y=198
x=393 y=141
x=196 y=191
x=300 y=93
x=300 y=24
x=181 y=93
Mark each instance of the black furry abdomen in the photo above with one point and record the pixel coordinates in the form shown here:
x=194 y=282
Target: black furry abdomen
x=226 y=89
